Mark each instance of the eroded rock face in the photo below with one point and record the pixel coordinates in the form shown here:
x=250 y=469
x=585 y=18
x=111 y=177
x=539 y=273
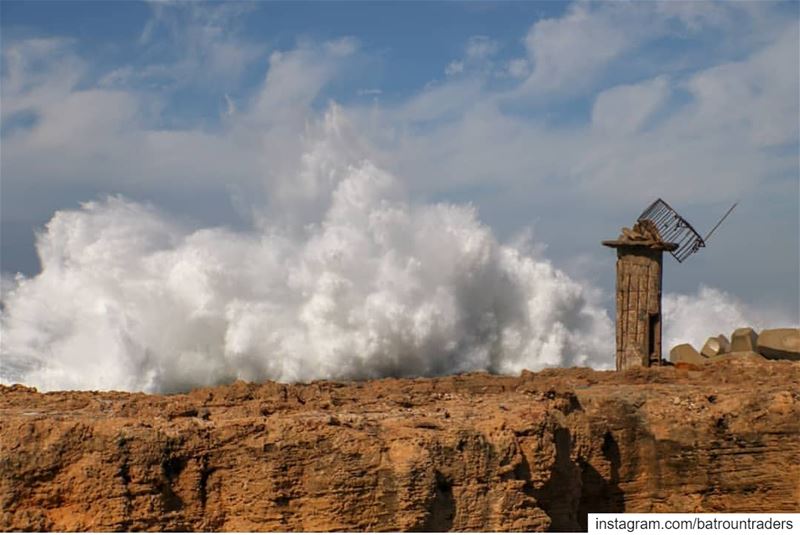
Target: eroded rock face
x=472 y=452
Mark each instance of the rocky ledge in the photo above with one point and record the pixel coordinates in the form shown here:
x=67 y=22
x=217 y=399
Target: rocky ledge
x=470 y=452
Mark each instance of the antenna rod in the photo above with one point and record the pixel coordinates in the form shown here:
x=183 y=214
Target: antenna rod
x=710 y=232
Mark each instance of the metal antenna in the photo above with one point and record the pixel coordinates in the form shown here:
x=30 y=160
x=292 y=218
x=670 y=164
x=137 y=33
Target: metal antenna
x=710 y=232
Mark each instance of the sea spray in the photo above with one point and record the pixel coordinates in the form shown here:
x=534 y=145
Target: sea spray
x=371 y=285
x=692 y=318
x=340 y=277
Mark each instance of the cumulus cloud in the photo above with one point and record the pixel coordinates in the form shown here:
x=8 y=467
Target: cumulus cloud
x=111 y=139
x=717 y=123
x=625 y=108
x=38 y=72
x=723 y=133
x=571 y=53
x=199 y=43
x=481 y=47
x=569 y=50
x=766 y=81
x=477 y=59
x=295 y=78
x=454 y=67
x=518 y=68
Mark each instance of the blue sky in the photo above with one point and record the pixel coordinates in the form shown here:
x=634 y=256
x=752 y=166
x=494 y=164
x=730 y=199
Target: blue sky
x=566 y=117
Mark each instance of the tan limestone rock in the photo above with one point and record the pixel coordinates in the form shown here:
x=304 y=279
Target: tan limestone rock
x=473 y=452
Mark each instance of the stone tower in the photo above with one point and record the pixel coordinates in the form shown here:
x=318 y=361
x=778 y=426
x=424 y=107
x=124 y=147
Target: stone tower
x=639 y=265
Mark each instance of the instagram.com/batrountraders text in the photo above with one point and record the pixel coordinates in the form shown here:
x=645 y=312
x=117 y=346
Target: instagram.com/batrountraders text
x=694 y=523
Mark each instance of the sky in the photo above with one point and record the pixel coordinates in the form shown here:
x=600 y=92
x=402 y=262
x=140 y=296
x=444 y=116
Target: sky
x=557 y=120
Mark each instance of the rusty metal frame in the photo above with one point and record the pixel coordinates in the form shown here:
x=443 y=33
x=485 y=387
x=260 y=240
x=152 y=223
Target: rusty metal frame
x=673 y=228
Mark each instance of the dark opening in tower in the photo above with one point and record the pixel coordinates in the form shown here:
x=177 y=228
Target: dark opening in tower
x=654 y=338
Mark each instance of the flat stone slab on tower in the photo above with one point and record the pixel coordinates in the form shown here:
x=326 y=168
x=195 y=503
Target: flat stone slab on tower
x=780 y=343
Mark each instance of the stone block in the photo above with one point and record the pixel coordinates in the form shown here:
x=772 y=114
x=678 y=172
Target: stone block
x=780 y=343
x=725 y=344
x=744 y=339
x=685 y=353
x=716 y=345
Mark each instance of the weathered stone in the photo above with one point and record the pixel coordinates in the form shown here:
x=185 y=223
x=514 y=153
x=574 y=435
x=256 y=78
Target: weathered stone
x=536 y=453
x=780 y=343
x=685 y=353
x=638 y=317
x=744 y=339
x=714 y=346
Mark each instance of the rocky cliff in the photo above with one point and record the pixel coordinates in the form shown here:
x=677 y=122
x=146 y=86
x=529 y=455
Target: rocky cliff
x=470 y=452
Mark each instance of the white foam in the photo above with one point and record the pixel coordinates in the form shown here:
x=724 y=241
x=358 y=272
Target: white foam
x=710 y=312
x=370 y=286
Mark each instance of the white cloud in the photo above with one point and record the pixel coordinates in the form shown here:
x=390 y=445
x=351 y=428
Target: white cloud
x=480 y=47
x=438 y=101
x=369 y=92
x=690 y=146
x=199 y=43
x=569 y=53
x=625 y=108
x=296 y=77
x=518 y=68
x=342 y=47
x=696 y=15
x=230 y=106
x=570 y=50
x=111 y=140
x=477 y=59
x=767 y=81
x=38 y=72
x=454 y=67
x=736 y=111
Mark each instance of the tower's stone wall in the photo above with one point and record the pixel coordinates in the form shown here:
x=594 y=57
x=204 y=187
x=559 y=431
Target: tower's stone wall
x=640 y=253
x=638 y=321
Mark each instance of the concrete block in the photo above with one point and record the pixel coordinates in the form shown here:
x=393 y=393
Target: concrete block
x=716 y=345
x=780 y=343
x=744 y=339
x=724 y=343
x=685 y=353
